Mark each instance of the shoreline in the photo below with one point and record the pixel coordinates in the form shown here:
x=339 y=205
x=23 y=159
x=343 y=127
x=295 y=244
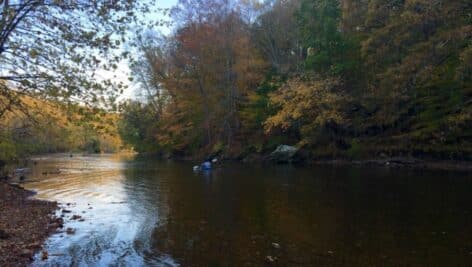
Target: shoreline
x=392 y=162
x=25 y=223
x=402 y=163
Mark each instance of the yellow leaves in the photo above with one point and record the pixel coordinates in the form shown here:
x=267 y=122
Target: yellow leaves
x=306 y=102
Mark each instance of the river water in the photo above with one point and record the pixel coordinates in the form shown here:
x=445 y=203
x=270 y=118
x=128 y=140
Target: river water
x=155 y=213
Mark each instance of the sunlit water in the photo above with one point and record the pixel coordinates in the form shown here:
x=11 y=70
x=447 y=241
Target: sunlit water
x=154 y=213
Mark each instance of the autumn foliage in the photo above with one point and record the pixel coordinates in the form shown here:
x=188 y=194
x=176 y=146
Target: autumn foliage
x=339 y=78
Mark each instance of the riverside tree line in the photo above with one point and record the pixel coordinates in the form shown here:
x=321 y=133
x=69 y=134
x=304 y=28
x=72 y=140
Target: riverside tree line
x=57 y=64
x=337 y=78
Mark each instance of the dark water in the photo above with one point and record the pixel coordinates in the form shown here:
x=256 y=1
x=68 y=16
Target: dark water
x=151 y=213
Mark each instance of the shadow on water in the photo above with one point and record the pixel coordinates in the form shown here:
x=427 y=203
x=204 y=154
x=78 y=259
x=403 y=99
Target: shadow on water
x=163 y=214
x=317 y=217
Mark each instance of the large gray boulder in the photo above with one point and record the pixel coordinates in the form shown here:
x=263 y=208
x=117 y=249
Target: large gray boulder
x=283 y=153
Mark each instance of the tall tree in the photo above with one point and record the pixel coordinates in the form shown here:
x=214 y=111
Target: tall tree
x=62 y=49
x=274 y=32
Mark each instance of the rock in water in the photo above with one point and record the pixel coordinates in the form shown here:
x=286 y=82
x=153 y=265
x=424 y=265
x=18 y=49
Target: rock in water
x=271 y=259
x=76 y=217
x=283 y=153
x=44 y=255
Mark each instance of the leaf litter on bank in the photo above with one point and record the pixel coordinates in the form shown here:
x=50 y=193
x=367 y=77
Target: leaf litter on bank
x=24 y=224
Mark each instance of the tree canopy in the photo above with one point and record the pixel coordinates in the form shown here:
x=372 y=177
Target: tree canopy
x=337 y=78
x=63 y=49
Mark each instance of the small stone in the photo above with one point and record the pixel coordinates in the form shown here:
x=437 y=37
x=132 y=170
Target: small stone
x=276 y=245
x=330 y=252
x=70 y=231
x=44 y=255
x=66 y=211
x=58 y=223
x=271 y=259
x=76 y=217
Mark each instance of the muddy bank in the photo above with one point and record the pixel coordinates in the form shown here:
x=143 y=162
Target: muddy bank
x=24 y=224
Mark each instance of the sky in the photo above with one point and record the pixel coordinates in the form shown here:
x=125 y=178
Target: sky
x=165 y=4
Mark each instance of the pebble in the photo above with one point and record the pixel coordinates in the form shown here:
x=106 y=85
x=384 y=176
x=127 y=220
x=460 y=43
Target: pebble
x=271 y=259
x=44 y=255
x=276 y=245
x=76 y=217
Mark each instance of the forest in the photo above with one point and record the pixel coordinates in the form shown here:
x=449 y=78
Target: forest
x=338 y=79
x=368 y=101
x=38 y=127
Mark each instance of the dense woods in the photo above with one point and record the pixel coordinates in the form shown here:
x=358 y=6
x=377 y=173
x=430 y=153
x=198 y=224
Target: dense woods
x=339 y=79
x=336 y=78
x=342 y=82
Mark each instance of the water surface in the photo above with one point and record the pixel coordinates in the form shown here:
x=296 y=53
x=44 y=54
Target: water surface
x=154 y=213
